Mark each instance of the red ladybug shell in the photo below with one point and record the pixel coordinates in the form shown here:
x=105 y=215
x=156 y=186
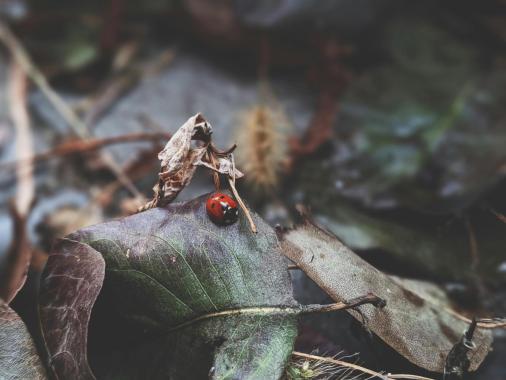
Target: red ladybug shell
x=222 y=209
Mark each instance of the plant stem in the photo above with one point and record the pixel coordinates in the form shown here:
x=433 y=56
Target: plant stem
x=287 y=310
x=252 y=225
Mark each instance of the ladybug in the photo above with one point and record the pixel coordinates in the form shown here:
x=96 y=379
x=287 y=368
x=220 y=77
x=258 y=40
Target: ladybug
x=222 y=209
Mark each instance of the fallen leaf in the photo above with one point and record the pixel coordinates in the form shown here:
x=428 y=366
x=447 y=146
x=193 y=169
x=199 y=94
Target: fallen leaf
x=18 y=356
x=178 y=158
x=415 y=327
x=182 y=298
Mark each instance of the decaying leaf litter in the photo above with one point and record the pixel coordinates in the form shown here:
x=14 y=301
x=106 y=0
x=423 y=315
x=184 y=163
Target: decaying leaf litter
x=244 y=302
x=480 y=249
x=144 y=255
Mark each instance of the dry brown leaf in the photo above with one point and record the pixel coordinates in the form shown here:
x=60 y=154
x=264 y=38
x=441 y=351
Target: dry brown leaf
x=418 y=329
x=179 y=160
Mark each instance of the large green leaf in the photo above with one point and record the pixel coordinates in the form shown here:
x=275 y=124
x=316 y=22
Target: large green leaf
x=181 y=298
x=18 y=356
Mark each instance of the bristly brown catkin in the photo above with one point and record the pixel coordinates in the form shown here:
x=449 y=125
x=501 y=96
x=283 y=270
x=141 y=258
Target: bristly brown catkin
x=262 y=136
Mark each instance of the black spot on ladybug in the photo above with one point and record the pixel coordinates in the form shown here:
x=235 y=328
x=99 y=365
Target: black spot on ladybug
x=212 y=205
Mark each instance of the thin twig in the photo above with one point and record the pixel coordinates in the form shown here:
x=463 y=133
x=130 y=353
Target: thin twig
x=356 y=367
x=83 y=146
x=351 y=304
x=252 y=225
x=483 y=323
x=19 y=255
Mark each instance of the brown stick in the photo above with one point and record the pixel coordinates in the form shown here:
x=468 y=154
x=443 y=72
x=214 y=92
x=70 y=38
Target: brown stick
x=83 y=146
x=19 y=255
x=252 y=225
x=351 y=304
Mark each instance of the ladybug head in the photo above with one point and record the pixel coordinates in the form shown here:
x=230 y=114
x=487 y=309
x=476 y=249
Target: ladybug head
x=230 y=214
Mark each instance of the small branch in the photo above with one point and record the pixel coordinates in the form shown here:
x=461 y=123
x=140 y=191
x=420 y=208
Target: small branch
x=293 y=267
x=369 y=298
x=491 y=323
x=351 y=304
x=83 y=146
x=356 y=367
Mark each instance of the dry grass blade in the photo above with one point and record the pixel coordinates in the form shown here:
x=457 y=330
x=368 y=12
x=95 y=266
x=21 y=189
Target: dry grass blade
x=354 y=367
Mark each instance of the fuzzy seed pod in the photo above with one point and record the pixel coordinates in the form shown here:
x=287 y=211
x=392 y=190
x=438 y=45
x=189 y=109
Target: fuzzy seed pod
x=262 y=136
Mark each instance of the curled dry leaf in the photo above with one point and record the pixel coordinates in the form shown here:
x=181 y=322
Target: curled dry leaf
x=179 y=298
x=18 y=357
x=415 y=326
x=179 y=159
